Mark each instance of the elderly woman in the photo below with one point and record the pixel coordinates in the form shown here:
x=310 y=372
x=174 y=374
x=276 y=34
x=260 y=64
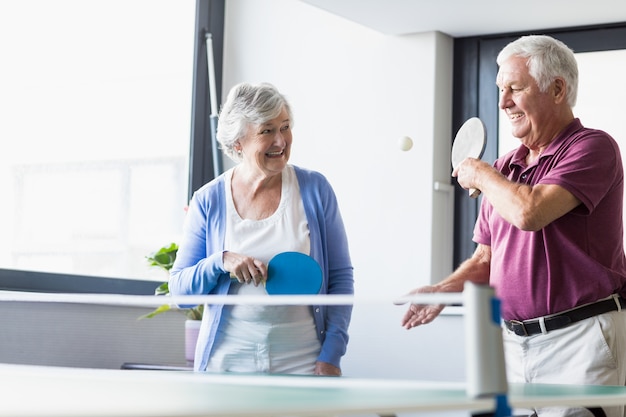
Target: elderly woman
x=237 y=222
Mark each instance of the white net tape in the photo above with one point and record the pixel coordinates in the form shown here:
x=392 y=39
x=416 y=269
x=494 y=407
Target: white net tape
x=153 y=301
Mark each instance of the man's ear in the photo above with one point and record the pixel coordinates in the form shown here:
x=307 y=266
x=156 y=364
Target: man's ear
x=559 y=89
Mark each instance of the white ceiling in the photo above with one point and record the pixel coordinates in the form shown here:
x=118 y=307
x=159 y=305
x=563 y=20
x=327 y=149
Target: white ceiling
x=459 y=18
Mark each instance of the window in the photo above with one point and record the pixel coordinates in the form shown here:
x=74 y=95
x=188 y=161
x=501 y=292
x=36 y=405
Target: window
x=95 y=120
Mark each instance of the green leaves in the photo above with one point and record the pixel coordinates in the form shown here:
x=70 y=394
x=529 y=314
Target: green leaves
x=195 y=313
x=164 y=258
x=163 y=289
x=161 y=309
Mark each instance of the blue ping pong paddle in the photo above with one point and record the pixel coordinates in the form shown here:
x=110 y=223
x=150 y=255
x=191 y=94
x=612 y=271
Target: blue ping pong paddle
x=293 y=273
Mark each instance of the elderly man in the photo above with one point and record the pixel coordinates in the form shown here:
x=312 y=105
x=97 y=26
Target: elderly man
x=550 y=231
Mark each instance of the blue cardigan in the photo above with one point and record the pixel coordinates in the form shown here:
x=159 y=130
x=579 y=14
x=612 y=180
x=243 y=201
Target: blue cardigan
x=199 y=269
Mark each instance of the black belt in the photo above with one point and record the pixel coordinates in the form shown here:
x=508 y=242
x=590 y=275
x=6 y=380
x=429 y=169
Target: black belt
x=558 y=321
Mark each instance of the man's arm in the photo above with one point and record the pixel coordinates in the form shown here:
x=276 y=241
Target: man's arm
x=475 y=269
x=526 y=207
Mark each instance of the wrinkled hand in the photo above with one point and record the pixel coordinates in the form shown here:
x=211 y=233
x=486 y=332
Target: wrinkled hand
x=419 y=314
x=326 y=369
x=467 y=171
x=244 y=268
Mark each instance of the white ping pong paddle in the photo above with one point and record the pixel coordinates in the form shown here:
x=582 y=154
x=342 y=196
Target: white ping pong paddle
x=469 y=142
x=292 y=273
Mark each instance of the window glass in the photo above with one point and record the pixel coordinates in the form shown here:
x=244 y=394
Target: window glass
x=95 y=113
x=597 y=106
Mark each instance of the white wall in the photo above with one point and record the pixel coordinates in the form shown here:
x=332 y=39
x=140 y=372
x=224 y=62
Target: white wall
x=354 y=93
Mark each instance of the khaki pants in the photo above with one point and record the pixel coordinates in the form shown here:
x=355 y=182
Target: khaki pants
x=592 y=351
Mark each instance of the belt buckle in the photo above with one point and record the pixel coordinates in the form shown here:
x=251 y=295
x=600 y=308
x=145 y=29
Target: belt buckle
x=519 y=323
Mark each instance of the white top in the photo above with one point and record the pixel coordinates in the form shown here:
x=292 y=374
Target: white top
x=257 y=338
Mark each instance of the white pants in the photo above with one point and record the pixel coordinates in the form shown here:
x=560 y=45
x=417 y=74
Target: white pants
x=266 y=339
x=592 y=351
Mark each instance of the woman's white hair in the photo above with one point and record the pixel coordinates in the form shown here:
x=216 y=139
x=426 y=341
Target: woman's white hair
x=247 y=105
x=547 y=59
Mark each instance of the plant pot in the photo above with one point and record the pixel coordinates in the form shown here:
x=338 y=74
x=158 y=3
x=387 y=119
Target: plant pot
x=192 y=328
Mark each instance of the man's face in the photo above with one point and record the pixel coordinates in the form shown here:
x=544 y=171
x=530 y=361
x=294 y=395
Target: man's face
x=529 y=110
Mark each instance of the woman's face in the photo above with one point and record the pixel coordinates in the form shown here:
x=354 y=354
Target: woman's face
x=266 y=147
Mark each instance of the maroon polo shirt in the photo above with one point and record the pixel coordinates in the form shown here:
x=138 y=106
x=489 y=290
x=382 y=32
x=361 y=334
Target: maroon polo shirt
x=576 y=259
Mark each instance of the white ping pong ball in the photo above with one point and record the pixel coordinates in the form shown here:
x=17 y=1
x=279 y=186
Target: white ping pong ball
x=405 y=143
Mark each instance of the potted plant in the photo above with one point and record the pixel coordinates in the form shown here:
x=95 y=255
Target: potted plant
x=164 y=258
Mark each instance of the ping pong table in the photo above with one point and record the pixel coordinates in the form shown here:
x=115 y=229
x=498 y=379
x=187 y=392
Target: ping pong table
x=41 y=391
